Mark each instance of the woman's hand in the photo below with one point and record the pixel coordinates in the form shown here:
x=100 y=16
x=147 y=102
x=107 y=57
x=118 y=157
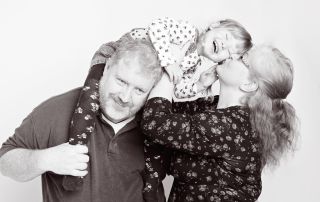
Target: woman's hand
x=164 y=88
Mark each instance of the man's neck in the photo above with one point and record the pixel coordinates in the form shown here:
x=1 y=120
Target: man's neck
x=117 y=126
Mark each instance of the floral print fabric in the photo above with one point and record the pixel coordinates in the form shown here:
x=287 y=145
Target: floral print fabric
x=164 y=32
x=216 y=155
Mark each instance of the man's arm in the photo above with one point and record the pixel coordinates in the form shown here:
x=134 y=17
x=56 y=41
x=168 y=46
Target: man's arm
x=26 y=164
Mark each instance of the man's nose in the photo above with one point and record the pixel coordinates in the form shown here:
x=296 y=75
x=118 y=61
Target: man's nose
x=125 y=96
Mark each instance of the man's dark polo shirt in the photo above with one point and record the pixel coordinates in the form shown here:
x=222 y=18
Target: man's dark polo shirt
x=116 y=162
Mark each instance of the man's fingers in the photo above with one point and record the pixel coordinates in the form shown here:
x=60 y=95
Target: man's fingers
x=79 y=173
x=82 y=166
x=81 y=149
x=83 y=158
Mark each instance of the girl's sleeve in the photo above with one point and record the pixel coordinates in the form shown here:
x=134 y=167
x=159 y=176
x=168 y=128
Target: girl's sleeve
x=82 y=123
x=139 y=33
x=186 y=88
x=164 y=31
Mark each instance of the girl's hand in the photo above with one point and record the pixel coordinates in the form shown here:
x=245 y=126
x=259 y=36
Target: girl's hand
x=174 y=72
x=207 y=78
x=179 y=51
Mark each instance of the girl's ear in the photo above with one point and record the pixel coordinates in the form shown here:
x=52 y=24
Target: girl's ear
x=249 y=87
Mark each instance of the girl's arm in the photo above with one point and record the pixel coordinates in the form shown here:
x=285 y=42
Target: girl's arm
x=82 y=123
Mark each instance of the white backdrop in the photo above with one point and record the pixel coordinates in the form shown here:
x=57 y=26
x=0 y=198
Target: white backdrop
x=46 y=47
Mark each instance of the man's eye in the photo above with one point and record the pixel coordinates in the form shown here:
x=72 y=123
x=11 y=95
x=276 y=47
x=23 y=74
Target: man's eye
x=121 y=82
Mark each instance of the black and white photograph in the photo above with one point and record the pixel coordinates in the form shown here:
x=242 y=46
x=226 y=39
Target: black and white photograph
x=159 y=101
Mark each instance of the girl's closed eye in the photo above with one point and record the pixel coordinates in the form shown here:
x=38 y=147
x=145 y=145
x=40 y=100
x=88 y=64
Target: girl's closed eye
x=139 y=91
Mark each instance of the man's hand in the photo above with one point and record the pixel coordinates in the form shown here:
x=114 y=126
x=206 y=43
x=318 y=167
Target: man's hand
x=65 y=159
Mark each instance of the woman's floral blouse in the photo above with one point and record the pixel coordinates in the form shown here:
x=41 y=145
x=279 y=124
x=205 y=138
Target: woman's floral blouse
x=216 y=155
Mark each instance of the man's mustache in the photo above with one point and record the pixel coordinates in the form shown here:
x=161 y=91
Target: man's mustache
x=120 y=102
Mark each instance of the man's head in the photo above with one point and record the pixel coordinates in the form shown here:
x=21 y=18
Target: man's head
x=128 y=77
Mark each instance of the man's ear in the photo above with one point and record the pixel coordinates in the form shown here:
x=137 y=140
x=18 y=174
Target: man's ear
x=249 y=87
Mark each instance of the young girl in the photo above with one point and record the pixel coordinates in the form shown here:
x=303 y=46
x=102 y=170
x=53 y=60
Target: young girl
x=220 y=146
x=223 y=39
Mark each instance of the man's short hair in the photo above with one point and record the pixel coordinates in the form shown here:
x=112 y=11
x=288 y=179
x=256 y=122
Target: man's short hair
x=143 y=52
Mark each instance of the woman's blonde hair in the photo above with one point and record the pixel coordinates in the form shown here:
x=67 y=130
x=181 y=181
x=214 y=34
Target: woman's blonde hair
x=272 y=117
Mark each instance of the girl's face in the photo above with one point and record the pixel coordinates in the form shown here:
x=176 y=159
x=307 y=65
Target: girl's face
x=217 y=44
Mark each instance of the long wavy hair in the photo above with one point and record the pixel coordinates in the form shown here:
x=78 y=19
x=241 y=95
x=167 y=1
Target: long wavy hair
x=272 y=117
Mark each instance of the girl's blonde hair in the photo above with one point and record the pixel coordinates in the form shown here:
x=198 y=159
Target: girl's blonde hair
x=272 y=117
x=238 y=32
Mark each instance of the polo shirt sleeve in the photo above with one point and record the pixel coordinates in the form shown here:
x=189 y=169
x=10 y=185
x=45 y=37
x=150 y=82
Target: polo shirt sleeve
x=24 y=137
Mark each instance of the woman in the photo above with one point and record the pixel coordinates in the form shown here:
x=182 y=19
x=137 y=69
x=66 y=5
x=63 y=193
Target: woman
x=220 y=145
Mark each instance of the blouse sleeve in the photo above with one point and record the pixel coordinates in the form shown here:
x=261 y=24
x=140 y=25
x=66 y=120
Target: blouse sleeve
x=195 y=106
x=208 y=133
x=164 y=31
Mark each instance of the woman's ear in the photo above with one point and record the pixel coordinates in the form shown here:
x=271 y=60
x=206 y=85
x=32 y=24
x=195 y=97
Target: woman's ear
x=249 y=87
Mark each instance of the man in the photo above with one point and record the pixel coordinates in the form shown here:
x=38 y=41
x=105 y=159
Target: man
x=113 y=173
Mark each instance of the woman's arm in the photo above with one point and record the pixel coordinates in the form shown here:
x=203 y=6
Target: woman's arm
x=209 y=133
